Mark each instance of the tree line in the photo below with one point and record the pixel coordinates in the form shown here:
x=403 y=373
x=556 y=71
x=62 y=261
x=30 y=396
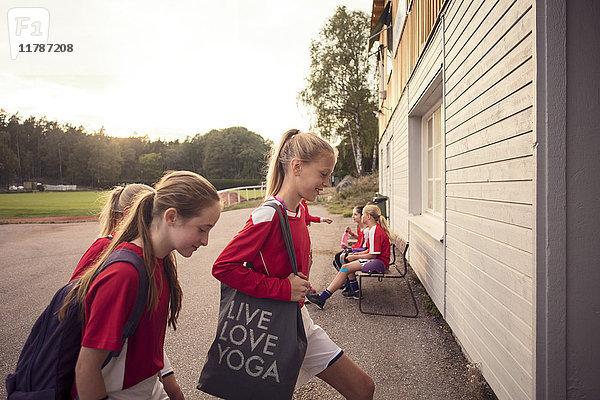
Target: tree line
x=35 y=149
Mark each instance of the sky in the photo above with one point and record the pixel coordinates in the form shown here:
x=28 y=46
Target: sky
x=163 y=69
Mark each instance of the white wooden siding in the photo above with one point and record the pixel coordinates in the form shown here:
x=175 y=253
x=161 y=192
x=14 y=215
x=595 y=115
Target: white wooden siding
x=427 y=68
x=489 y=176
x=482 y=276
x=399 y=201
x=426 y=257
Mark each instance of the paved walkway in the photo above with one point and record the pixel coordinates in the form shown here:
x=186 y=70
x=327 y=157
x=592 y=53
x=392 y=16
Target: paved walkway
x=407 y=358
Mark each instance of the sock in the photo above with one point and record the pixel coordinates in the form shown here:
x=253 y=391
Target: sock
x=354 y=285
x=347 y=284
x=325 y=295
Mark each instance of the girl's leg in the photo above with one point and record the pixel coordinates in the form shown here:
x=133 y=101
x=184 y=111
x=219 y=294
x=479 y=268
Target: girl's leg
x=352 y=293
x=340 y=278
x=349 y=379
x=338 y=281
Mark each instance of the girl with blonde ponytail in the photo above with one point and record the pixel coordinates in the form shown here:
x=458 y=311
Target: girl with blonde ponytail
x=375 y=258
x=300 y=168
x=117 y=205
x=177 y=215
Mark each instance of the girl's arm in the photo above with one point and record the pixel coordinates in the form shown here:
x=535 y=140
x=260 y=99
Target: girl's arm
x=349 y=230
x=313 y=218
x=245 y=247
x=88 y=373
x=364 y=255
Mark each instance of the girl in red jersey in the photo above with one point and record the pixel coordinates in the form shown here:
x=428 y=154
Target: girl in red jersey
x=178 y=215
x=375 y=259
x=116 y=208
x=299 y=169
x=357 y=218
x=359 y=245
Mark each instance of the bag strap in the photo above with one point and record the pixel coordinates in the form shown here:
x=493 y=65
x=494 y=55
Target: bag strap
x=284 y=223
x=131 y=257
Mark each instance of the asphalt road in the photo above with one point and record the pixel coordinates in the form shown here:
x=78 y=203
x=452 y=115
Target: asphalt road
x=407 y=358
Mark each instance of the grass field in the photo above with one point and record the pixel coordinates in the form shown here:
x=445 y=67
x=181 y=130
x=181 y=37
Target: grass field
x=251 y=193
x=50 y=204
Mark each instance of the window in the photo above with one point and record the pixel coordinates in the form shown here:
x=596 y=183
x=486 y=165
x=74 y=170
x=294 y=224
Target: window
x=426 y=161
x=433 y=161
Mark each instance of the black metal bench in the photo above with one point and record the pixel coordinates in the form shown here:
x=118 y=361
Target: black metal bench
x=397 y=269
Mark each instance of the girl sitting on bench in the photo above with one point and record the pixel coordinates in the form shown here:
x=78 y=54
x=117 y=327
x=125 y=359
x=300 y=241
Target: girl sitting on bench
x=374 y=259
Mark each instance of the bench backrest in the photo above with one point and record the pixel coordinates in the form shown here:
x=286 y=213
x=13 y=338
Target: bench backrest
x=400 y=248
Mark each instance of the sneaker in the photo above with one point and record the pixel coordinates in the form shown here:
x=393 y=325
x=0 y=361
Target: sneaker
x=315 y=299
x=351 y=294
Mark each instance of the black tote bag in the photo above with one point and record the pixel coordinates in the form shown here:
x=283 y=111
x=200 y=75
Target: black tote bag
x=260 y=343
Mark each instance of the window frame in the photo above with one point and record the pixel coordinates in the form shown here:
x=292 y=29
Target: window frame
x=435 y=114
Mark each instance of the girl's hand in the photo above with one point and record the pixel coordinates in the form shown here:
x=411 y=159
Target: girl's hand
x=299 y=284
x=328 y=220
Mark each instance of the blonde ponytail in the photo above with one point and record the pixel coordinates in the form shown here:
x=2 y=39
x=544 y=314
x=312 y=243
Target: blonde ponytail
x=119 y=199
x=375 y=212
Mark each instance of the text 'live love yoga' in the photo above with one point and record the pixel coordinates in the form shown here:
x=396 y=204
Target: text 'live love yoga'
x=259 y=339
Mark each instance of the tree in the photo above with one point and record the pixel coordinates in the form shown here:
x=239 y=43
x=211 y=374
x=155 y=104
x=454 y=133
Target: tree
x=340 y=91
x=8 y=160
x=151 y=166
x=234 y=152
x=105 y=160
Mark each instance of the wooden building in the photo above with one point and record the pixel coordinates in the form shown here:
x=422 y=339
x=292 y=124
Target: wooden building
x=489 y=112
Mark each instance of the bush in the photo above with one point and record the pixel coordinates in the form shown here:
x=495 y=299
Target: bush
x=359 y=194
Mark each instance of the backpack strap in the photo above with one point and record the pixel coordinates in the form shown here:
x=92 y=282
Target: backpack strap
x=129 y=256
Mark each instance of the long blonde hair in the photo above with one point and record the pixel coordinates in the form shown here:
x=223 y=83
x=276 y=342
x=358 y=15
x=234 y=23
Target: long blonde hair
x=187 y=192
x=305 y=146
x=375 y=212
x=118 y=199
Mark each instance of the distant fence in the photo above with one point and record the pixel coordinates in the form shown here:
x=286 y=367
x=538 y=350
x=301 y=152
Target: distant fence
x=60 y=188
x=243 y=193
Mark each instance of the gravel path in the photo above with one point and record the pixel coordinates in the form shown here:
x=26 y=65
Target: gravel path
x=408 y=358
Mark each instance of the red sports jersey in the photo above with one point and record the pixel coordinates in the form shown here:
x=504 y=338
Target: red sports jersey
x=261 y=242
x=309 y=218
x=379 y=243
x=360 y=242
x=90 y=256
x=109 y=304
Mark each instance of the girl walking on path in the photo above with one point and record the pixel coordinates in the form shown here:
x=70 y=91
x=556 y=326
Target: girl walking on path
x=178 y=215
x=299 y=169
x=117 y=206
x=375 y=259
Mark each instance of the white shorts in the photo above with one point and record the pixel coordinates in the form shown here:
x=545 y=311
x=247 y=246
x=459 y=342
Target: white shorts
x=320 y=352
x=148 y=389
